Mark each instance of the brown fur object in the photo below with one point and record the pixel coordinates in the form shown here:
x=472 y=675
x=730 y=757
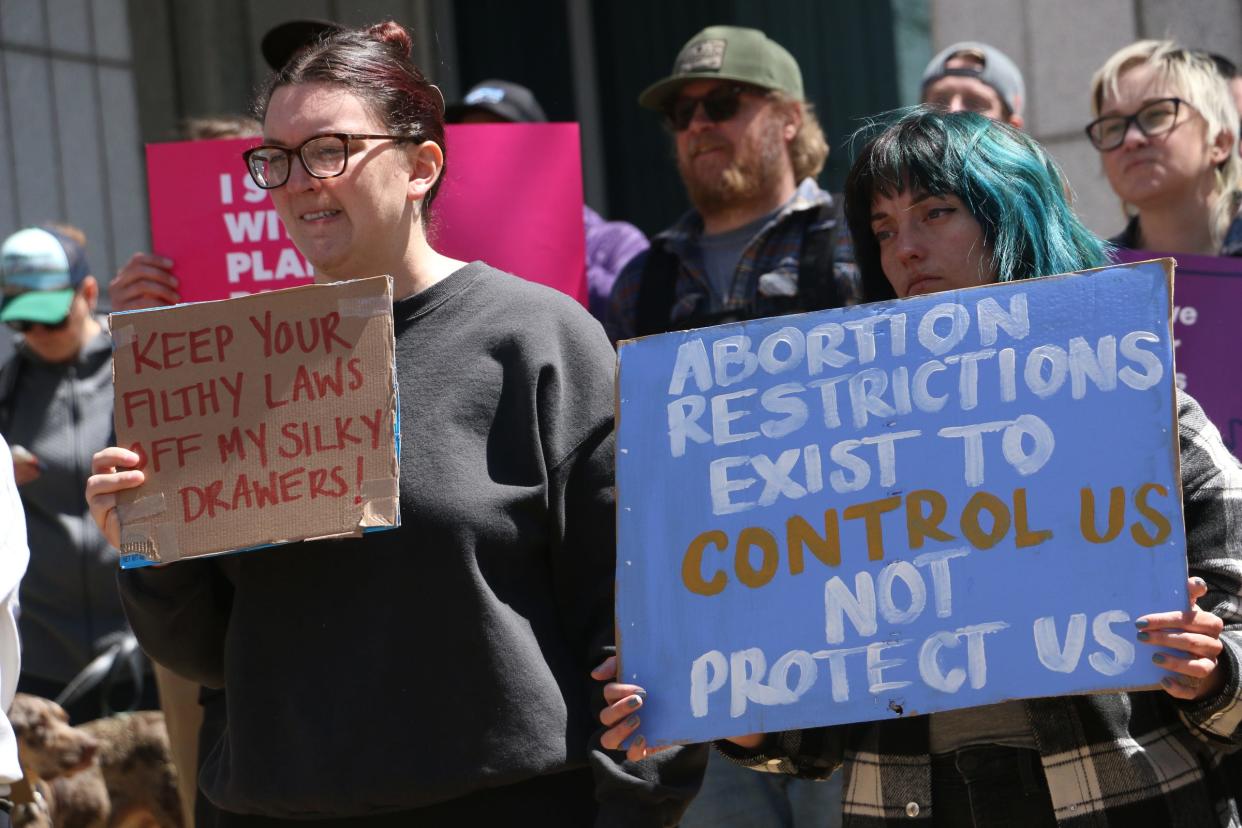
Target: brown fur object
x=110 y=773
x=138 y=769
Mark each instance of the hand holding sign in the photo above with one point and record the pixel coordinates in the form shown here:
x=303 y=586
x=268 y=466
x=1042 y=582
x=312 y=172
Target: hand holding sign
x=112 y=470
x=145 y=281
x=622 y=719
x=621 y=716
x=1195 y=632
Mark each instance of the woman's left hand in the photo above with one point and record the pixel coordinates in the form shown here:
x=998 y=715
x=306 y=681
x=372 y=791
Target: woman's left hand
x=1196 y=675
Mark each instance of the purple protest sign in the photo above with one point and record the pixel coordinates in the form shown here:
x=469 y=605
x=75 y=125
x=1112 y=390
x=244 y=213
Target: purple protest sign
x=1207 y=304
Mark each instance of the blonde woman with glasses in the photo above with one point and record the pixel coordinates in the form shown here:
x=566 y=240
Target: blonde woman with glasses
x=1166 y=129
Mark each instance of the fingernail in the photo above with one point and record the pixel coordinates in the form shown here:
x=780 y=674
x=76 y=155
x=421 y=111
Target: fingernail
x=1158 y=658
x=642 y=694
x=635 y=701
x=639 y=741
x=632 y=721
x=1167 y=682
x=1143 y=636
x=1199 y=581
x=1142 y=622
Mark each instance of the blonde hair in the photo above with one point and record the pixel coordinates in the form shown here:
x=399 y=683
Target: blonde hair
x=1194 y=77
x=809 y=148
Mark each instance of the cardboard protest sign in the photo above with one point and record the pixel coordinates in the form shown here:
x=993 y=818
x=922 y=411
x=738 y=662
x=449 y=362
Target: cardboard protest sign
x=1207 y=305
x=898 y=508
x=512 y=196
x=259 y=420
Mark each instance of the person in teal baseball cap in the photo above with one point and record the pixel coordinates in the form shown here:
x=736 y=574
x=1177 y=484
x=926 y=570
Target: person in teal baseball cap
x=47 y=291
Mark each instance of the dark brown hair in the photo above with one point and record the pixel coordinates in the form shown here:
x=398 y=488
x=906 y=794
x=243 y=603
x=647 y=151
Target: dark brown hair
x=374 y=64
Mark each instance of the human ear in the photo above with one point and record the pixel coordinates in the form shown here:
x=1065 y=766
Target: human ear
x=90 y=292
x=1222 y=147
x=793 y=121
x=426 y=163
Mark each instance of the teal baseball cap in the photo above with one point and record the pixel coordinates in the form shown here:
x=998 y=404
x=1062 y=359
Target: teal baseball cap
x=40 y=271
x=728 y=53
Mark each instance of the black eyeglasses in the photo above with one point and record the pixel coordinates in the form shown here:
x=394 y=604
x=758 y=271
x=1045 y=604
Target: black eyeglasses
x=324 y=156
x=721 y=104
x=25 y=326
x=1154 y=118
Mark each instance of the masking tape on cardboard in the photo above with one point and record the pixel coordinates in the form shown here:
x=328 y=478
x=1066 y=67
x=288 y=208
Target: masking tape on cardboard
x=123 y=335
x=136 y=540
x=155 y=542
x=379 y=488
x=379 y=511
x=365 y=306
x=380 y=502
x=143 y=507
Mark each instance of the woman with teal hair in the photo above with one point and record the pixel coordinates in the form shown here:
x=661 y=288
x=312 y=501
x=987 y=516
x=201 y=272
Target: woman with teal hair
x=939 y=201
x=1003 y=178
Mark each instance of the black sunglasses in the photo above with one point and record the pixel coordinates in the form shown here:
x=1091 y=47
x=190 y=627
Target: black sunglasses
x=721 y=104
x=25 y=326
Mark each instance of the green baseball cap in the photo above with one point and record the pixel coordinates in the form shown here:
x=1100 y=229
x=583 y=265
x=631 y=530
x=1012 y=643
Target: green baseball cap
x=728 y=53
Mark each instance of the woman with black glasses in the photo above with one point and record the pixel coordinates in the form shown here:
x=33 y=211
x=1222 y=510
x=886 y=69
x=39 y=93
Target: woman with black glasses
x=1166 y=130
x=434 y=674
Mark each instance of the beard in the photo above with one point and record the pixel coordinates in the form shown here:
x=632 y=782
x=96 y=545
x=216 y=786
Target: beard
x=755 y=167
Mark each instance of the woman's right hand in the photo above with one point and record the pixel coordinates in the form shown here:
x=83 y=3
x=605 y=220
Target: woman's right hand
x=622 y=719
x=112 y=471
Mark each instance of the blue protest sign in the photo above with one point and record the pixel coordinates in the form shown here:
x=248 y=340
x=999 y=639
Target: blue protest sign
x=899 y=508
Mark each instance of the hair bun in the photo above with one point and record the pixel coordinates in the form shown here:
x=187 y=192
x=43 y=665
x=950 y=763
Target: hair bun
x=394 y=34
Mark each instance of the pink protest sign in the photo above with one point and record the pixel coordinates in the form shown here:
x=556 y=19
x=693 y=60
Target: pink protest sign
x=512 y=196
x=216 y=225
x=1207 y=303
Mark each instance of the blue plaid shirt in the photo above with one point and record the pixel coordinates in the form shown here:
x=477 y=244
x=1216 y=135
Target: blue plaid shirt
x=767 y=270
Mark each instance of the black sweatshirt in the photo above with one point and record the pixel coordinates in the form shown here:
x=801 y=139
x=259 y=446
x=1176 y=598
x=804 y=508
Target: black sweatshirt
x=451 y=655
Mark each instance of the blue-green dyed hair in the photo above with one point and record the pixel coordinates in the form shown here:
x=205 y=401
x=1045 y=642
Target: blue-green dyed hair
x=1009 y=183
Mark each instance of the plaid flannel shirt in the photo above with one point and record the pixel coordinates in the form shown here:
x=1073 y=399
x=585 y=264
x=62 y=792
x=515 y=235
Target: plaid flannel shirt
x=768 y=267
x=1114 y=759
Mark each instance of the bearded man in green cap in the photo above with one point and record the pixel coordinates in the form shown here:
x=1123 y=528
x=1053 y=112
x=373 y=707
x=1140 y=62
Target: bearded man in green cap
x=763 y=239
